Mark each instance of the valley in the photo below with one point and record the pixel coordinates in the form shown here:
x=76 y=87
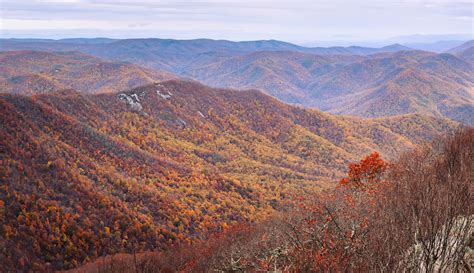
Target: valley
x=112 y=147
x=91 y=175
x=364 y=82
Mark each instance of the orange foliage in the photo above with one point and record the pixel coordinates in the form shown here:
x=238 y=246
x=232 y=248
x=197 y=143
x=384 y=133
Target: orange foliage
x=365 y=174
x=85 y=176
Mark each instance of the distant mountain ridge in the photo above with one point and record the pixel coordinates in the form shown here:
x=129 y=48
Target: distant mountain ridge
x=383 y=84
x=366 y=82
x=177 y=55
x=32 y=72
x=438 y=47
x=467 y=45
x=464 y=51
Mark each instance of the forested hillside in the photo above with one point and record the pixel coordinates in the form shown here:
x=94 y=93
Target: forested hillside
x=91 y=175
x=33 y=72
x=378 y=85
x=413 y=214
x=366 y=82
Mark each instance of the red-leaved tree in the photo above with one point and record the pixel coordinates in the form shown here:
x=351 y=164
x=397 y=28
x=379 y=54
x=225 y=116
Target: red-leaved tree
x=366 y=174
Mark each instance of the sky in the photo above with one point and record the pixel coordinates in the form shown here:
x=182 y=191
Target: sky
x=294 y=21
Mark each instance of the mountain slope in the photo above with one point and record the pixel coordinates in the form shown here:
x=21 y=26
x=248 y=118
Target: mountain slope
x=90 y=175
x=178 y=56
x=437 y=46
x=282 y=74
x=342 y=80
x=31 y=72
x=464 y=51
x=383 y=84
x=461 y=47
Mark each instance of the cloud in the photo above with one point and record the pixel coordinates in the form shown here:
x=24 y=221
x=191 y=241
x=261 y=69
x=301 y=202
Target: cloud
x=244 y=19
x=59 y=1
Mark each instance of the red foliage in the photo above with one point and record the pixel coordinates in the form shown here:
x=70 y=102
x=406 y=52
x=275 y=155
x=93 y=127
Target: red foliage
x=347 y=230
x=366 y=173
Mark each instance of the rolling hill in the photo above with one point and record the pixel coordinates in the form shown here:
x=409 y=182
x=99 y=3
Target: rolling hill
x=464 y=51
x=283 y=74
x=379 y=85
x=31 y=72
x=461 y=47
x=178 y=56
x=357 y=81
x=88 y=175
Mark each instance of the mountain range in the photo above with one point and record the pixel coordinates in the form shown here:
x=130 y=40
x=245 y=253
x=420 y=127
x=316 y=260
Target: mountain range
x=114 y=146
x=95 y=174
x=177 y=55
x=371 y=86
x=365 y=82
x=33 y=72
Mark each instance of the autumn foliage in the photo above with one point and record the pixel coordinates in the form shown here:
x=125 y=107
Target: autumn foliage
x=415 y=225
x=87 y=176
x=365 y=174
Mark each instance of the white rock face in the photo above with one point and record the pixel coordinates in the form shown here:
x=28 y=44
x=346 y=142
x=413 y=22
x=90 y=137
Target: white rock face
x=135 y=96
x=132 y=101
x=164 y=94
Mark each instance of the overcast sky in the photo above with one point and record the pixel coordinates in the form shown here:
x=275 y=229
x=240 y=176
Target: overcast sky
x=296 y=21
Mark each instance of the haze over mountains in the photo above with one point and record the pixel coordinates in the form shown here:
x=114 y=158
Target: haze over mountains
x=366 y=82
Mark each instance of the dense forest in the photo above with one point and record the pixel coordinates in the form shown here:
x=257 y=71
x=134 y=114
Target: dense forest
x=365 y=82
x=175 y=163
x=36 y=72
x=203 y=136
x=414 y=214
